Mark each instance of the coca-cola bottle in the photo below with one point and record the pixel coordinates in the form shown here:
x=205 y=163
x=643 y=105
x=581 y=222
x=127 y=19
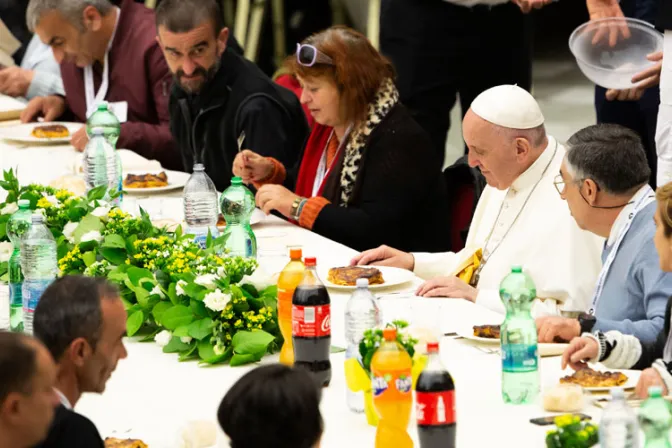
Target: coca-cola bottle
x=435 y=403
x=311 y=325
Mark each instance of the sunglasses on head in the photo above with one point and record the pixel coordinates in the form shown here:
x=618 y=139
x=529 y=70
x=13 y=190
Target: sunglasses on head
x=308 y=55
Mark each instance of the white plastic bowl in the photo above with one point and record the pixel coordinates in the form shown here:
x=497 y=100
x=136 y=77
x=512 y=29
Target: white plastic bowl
x=608 y=58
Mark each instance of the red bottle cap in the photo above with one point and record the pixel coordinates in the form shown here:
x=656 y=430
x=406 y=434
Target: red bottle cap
x=432 y=347
x=310 y=261
x=390 y=334
x=295 y=253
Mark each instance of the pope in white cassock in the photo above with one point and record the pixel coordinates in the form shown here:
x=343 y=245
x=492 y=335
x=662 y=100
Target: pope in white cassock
x=520 y=218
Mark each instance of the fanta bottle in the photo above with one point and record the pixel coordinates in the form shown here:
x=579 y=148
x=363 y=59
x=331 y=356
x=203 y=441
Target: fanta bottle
x=392 y=384
x=289 y=279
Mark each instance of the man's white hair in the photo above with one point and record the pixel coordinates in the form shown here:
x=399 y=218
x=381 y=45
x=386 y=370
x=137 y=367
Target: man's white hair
x=71 y=10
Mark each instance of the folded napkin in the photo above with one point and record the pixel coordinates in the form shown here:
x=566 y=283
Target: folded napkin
x=470 y=263
x=130 y=161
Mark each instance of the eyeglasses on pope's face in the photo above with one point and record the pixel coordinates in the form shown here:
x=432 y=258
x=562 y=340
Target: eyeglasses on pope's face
x=559 y=184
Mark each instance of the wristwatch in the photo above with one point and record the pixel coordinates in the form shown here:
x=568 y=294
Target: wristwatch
x=587 y=322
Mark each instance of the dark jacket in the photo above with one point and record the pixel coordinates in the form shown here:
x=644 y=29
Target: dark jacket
x=240 y=98
x=399 y=196
x=665 y=14
x=72 y=430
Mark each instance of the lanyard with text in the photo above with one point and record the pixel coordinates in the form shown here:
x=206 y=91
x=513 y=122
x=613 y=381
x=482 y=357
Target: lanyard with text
x=646 y=197
x=322 y=170
x=92 y=98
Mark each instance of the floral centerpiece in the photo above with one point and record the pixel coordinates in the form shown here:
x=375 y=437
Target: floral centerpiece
x=191 y=301
x=571 y=432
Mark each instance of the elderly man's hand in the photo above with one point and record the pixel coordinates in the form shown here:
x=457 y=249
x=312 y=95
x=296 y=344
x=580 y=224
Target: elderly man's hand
x=79 y=139
x=451 y=287
x=15 y=81
x=551 y=327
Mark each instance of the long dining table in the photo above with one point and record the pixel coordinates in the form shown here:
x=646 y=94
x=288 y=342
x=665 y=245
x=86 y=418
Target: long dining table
x=151 y=396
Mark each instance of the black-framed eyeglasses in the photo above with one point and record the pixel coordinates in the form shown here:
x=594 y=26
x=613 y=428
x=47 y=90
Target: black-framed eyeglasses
x=308 y=55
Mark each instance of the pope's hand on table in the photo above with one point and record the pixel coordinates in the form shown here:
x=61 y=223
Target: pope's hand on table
x=649 y=377
x=15 y=81
x=385 y=256
x=528 y=5
x=252 y=167
x=275 y=197
x=80 y=139
x=48 y=107
x=602 y=9
x=451 y=287
x=551 y=327
x=580 y=350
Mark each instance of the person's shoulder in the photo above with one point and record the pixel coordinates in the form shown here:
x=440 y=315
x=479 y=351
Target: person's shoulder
x=398 y=128
x=71 y=429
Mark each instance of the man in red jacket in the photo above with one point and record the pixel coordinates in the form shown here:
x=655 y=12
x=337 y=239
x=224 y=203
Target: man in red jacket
x=107 y=54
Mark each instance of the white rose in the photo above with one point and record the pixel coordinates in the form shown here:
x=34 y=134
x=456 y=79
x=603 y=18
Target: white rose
x=53 y=201
x=163 y=338
x=101 y=212
x=185 y=339
x=93 y=235
x=207 y=280
x=179 y=288
x=216 y=300
x=9 y=208
x=156 y=291
x=6 y=250
x=69 y=230
x=259 y=279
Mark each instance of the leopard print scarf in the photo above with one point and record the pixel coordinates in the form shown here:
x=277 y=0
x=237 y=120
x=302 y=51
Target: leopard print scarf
x=386 y=98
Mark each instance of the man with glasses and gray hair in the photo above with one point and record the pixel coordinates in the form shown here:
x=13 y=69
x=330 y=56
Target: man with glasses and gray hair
x=604 y=179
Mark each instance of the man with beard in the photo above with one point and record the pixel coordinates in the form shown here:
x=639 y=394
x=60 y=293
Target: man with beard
x=82 y=322
x=221 y=103
x=108 y=54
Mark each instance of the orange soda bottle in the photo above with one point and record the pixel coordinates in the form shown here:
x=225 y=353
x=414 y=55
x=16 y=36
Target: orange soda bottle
x=392 y=384
x=289 y=279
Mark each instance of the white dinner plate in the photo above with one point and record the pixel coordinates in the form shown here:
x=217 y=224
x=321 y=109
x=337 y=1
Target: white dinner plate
x=22 y=132
x=176 y=180
x=633 y=378
x=391 y=276
x=256 y=218
x=545 y=349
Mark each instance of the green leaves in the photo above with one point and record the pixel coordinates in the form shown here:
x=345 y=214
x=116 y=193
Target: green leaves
x=239 y=360
x=114 y=242
x=88 y=224
x=251 y=342
x=159 y=310
x=201 y=328
x=175 y=346
x=134 y=322
x=177 y=316
x=89 y=258
x=207 y=353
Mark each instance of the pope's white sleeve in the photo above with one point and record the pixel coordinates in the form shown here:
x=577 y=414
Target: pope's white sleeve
x=428 y=266
x=664 y=127
x=489 y=298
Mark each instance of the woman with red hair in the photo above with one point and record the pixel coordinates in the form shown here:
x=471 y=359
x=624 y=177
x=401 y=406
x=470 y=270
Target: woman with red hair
x=368 y=174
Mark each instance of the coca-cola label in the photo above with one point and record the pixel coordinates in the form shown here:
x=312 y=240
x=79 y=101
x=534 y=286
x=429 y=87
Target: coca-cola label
x=311 y=321
x=435 y=408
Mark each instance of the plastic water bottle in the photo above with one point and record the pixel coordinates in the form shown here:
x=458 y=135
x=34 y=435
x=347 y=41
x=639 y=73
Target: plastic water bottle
x=105 y=119
x=618 y=425
x=17 y=226
x=520 y=357
x=237 y=206
x=361 y=314
x=200 y=205
x=39 y=265
x=101 y=167
x=655 y=419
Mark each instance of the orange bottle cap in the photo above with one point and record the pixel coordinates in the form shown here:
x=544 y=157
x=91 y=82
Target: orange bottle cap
x=295 y=253
x=390 y=334
x=432 y=347
x=310 y=261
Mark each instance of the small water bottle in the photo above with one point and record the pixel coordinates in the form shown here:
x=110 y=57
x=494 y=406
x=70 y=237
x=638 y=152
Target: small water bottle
x=101 y=165
x=361 y=314
x=200 y=206
x=520 y=355
x=105 y=119
x=39 y=265
x=237 y=206
x=17 y=226
x=618 y=425
x=656 y=419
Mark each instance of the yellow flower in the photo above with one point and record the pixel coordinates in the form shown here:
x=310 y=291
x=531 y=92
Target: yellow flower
x=61 y=195
x=44 y=203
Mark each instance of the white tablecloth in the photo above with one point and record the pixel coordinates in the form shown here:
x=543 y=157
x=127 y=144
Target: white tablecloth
x=151 y=394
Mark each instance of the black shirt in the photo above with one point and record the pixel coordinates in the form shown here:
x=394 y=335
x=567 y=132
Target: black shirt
x=665 y=14
x=71 y=430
